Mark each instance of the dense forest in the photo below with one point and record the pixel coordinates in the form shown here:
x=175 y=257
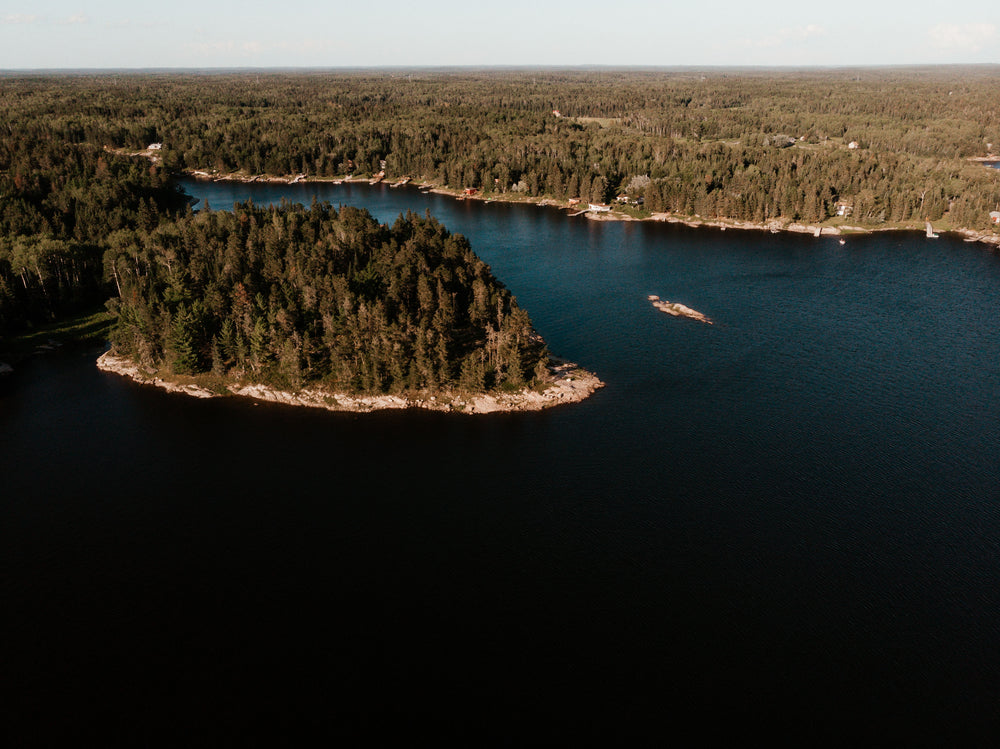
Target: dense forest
x=287 y=296
x=294 y=295
x=59 y=203
x=892 y=145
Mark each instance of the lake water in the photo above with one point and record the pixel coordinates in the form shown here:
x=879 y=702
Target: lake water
x=788 y=521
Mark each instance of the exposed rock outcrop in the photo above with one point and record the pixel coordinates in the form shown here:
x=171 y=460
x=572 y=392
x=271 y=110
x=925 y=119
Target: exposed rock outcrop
x=569 y=384
x=677 y=310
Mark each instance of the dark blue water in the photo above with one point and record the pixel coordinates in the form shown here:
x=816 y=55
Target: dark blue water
x=788 y=521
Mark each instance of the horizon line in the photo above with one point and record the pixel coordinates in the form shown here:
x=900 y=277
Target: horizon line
x=487 y=67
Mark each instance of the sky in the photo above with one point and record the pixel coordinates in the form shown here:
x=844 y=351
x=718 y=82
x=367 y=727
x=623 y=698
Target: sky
x=61 y=34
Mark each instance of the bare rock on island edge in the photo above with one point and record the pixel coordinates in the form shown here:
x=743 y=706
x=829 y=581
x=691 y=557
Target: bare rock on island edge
x=570 y=384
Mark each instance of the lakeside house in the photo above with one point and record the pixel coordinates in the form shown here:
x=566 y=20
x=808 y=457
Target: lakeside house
x=630 y=201
x=853 y=145
x=599 y=207
x=470 y=191
x=995 y=217
x=154 y=147
x=574 y=201
x=844 y=209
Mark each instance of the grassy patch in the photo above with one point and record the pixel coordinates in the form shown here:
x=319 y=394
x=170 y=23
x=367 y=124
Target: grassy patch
x=211 y=382
x=90 y=327
x=635 y=211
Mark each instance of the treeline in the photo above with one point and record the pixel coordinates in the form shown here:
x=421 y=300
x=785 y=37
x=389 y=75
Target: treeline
x=691 y=143
x=58 y=203
x=287 y=296
x=294 y=296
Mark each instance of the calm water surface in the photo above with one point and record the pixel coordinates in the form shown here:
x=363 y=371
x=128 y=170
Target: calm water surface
x=787 y=521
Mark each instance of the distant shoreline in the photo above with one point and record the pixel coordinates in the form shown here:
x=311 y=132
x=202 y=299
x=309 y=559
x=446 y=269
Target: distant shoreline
x=774 y=226
x=569 y=384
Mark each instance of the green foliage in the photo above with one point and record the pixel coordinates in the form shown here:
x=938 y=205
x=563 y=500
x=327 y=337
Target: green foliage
x=62 y=207
x=294 y=296
x=709 y=144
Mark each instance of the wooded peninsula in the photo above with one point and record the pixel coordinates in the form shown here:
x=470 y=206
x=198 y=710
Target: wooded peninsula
x=295 y=297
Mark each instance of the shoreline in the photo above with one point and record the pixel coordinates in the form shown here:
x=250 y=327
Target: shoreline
x=570 y=384
x=722 y=223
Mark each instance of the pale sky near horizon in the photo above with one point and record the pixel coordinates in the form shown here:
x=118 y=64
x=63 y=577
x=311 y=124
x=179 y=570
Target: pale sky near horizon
x=219 y=33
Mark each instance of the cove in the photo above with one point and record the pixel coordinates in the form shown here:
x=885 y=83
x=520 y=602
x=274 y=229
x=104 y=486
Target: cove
x=784 y=521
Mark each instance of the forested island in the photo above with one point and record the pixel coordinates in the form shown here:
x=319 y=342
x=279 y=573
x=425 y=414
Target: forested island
x=297 y=297
x=330 y=309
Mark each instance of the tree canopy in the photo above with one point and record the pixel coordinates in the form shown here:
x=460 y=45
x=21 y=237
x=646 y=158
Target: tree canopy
x=291 y=296
x=751 y=145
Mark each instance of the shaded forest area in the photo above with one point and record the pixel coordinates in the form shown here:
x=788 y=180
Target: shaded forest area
x=295 y=296
x=749 y=145
x=59 y=203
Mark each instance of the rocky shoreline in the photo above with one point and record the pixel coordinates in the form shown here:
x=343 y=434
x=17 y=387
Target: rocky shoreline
x=570 y=384
x=774 y=226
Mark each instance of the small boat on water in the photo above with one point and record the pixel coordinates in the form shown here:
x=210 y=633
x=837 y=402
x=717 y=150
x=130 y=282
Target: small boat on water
x=843 y=241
